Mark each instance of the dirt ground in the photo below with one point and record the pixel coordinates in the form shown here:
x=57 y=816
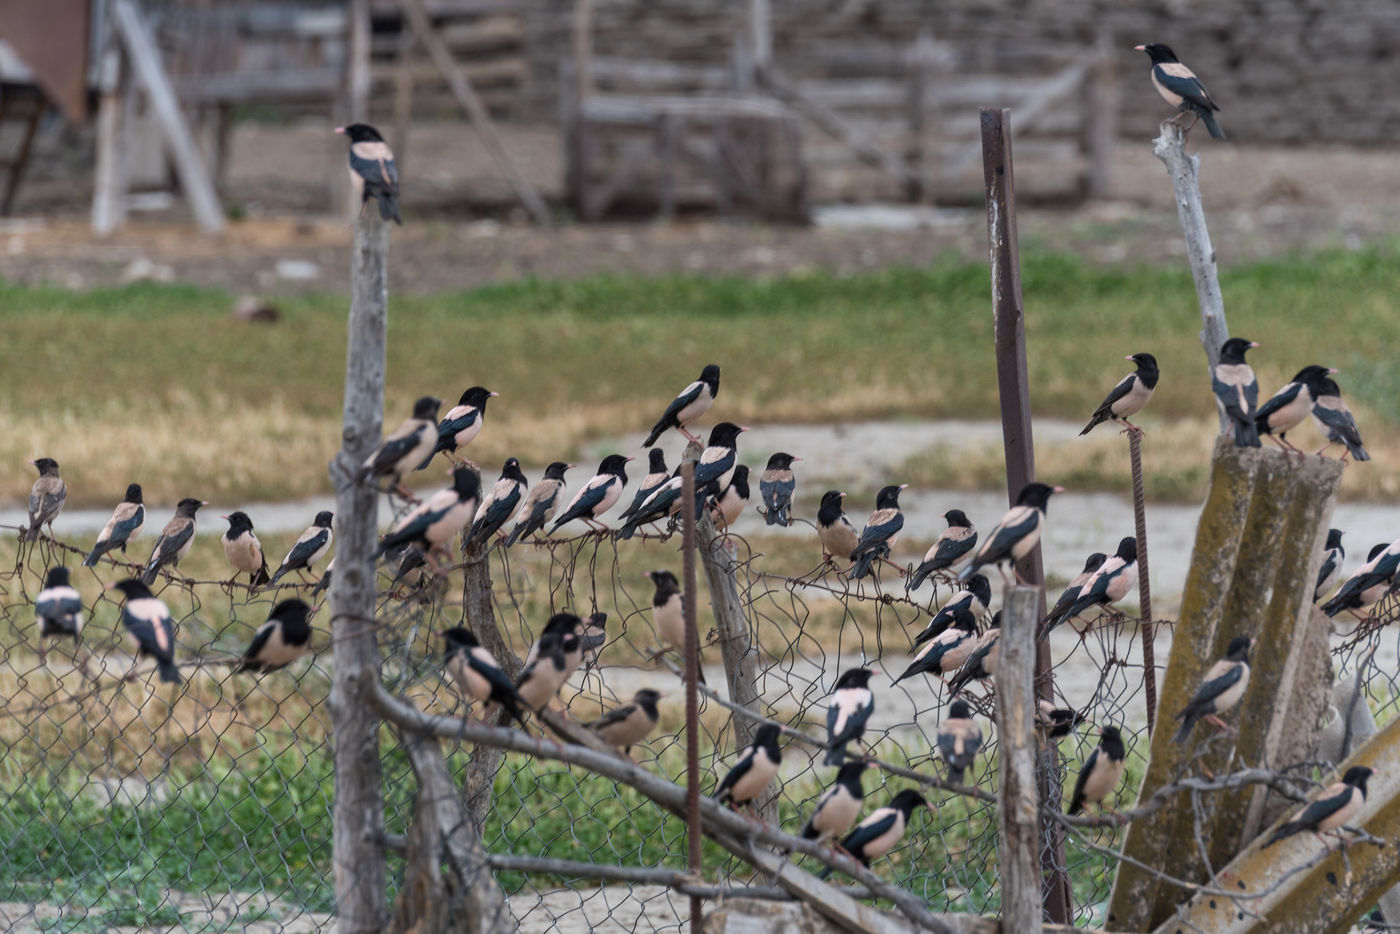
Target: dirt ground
x=462 y=230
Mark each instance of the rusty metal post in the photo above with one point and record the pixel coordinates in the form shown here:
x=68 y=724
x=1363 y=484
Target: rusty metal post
x=692 y=680
x=1149 y=654
x=1014 y=389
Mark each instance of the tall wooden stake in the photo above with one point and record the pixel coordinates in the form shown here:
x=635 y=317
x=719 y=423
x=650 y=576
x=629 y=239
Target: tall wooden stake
x=693 y=832
x=1019 y=804
x=358 y=815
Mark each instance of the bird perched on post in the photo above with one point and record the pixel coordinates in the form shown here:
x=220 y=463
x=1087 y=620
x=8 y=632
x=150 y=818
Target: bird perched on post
x=309 y=547
x=460 y=426
x=598 y=495
x=124 y=526
x=981 y=662
x=407 y=447
x=1335 y=421
x=852 y=703
x=1330 y=810
x=478 y=675
x=59 y=607
x=541 y=503
x=1129 y=397
x=756 y=767
x=882 y=828
x=880 y=534
x=776 y=486
x=1016 y=534
x=694 y=400
x=1220 y=690
x=974 y=599
x=373 y=173
x=1070 y=594
x=1237 y=390
x=434 y=522
x=1180 y=87
x=834 y=530
x=243 y=549
x=1368 y=583
x=656 y=477
x=951 y=546
x=499 y=505
x=1287 y=408
x=726 y=508
x=46 y=497
x=664 y=501
x=717 y=462
x=959 y=738
x=148 y=622
x=175 y=539
x=949 y=650
x=629 y=724
x=1331 y=568
x=284 y=638
x=1101 y=774
x=1109 y=584
x=839 y=806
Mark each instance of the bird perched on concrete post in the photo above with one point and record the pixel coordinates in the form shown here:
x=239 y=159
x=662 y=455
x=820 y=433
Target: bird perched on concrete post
x=46 y=497
x=284 y=638
x=880 y=534
x=776 y=486
x=1237 y=390
x=836 y=533
x=1220 y=690
x=59 y=606
x=373 y=173
x=1016 y=534
x=598 y=495
x=542 y=502
x=1179 y=86
x=1335 y=421
x=755 y=768
x=243 y=550
x=1329 y=811
x=630 y=723
x=148 y=622
x=478 y=675
x=1287 y=408
x=460 y=426
x=692 y=402
x=1368 y=583
x=959 y=738
x=1331 y=568
x=124 y=526
x=499 y=505
x=309 y=547
x=1101 y=773
x=406 y=448
x=175 y=539
x=1129 y=397
x=852 y=703
x=951 y=546
x=839 y=806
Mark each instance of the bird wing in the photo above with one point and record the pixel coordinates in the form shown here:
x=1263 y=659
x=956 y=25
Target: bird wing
x=948 y=550
x=126 y=519
x=593 y=493
x=1237 y=390
x=1337 y=797
x=56 y=602
x=177 y=532
x=1019 y=522
x=46 y=496
x=741 y=768
x=616 y=715
x=1125 y=386
x=1276 y=402
x=714 y=463
x=148 y=620
x=374 y=161
x=688 y=395
x=882 y=525
x=1077 y=799
x=1222 y=676
x=879 y=823
x=397 y=447
x=260 y=639
x=776 y=488
x=649 y=485
x=460 y=418
x=1332 y=412
x=415 y=525
x=307 y=546
x=1182 y=81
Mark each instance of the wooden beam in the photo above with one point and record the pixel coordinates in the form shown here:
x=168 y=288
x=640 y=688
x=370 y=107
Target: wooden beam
x=1019 y=806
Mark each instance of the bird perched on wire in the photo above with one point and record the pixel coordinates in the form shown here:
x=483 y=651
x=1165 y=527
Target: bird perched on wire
x=1335 y=421
x=124 y=526
x=1331 y=568
x=46 y=497
x=1330 y=810
x=664 y=502
x=1287 y=408
x=499 y=505
x=478 y=675
x=1109 y=584
x=657 y=475
x=1368 y=583
x=410 y=567
x=1057 y=722
x=717 y=462
x=1237 y=390
x=541 y=503
x=981 y=662
x=324 y=582
x=242 y=548
x=882 y=828
x=1129 y=397
x=309 y=547
x=565 y=629
x=407 y=447
x=1220 y=690
x=148 y=622
x=776 y=485
x=974 y=598
x=852 y=703
x=951 y=546
x=59 y=606
x=598 y=495
x=959 y=738
x=284 y=638
x=880 y=534
x=836 y=533
x=839 y=806
x=373 y=173
x=949 y=650
x=432 y=524
x=755 y=768
x=175 y=539
x=460 y=426
x=1180 y=87
x=1101 y=774
x=593 y=635
x=694 y=401
x=1016 y=534
x=726 y=508
x=630 y=723
x=1070 y=594
x=545 y=674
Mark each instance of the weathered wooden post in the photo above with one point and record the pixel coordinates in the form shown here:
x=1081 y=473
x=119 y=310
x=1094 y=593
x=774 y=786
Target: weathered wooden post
x=1019 y=805
x=358 y=816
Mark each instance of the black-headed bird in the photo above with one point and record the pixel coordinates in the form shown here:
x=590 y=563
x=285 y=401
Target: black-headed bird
x=478 y=675
x=432 y=524
x=542 y=502
x=175 y=539
x=880 y=534
x=838 y=807
x=242 y=548
x=982 y=661
x=628 y=724
x=952 y=545
x=1113 y=581
x=1070 y=594
x=149 y=624
x=657 y=474
x=1330 y=810
x=309 y=547
x=59 y=606
x=692 y=402
x=1368 y=583
x=836 y=533
x=1016 y=534
x=717 y=462
x=499 y=505
x=949 y=650
x=284 y=638
x=46 y=497
x=1129 y=397
x=405 y=448
x=1287 y=408
x=1331 y=568
x=1336 y=422
x=1221 y=689
x=664 y=502
x=598 y=495
x=776 y=485
x=852 y=703
x=975 y=596
x=1179 y=87
x=726 y=508
x=124 y=526
x=373 y=173
x=884 y=827
x=1237 y=390
x=755 y=768
x=460 y=426
x=959 y=738
x=545 y=674
x=1101 y=773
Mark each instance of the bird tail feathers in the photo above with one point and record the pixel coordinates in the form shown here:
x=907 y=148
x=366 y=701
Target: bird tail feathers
x=168 y=672
x=1212 y=127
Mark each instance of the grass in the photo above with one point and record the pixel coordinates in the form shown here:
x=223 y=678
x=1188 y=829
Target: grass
x=158 y=383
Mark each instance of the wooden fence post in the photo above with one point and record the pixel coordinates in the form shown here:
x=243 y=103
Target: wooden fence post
x=1018 y=809
x=358 y=815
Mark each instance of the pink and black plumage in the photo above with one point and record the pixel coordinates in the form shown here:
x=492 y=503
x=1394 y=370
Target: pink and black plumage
x=147 y=620
x=1101 y=774
x=124 y=526
x=852 y=703
x=657 y=475
x=541 y=503
x=1180 y=87
x=372 y=170
x=947 y=651
x=460 y=426
x=1329 y=811
x=1070 y=594
x=1335 y=421
x=1368 y=583
x=175 y=539
x=880 y=534
x=836 y=533
x=243 y=550
x=1331 y=568
x=959 y=739
x=982 y=661
x=884 y=827
x=284 y=638
x=776 y=486
x=838 y=807
x=692 y=402
x=310 y=546
x=717 y=462
x=1287 y=408
x=728 y=506
x=1109 y=584
x=499 y=505
x=630 y=723
x=478 y=675
x=409 y=445
x=59 y=606
x=662 y=503
x=598 y=495
x=754 y=770
x=975 y=598
x=435 y=521
x=952 y=546
x=1016 y=534
x=1221 y=688
x=1237 y=390
x=1129 y=397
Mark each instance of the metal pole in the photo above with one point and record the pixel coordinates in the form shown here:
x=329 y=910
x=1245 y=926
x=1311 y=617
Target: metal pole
x=692 y=679
x=1014 y=389
x=1149 y=655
